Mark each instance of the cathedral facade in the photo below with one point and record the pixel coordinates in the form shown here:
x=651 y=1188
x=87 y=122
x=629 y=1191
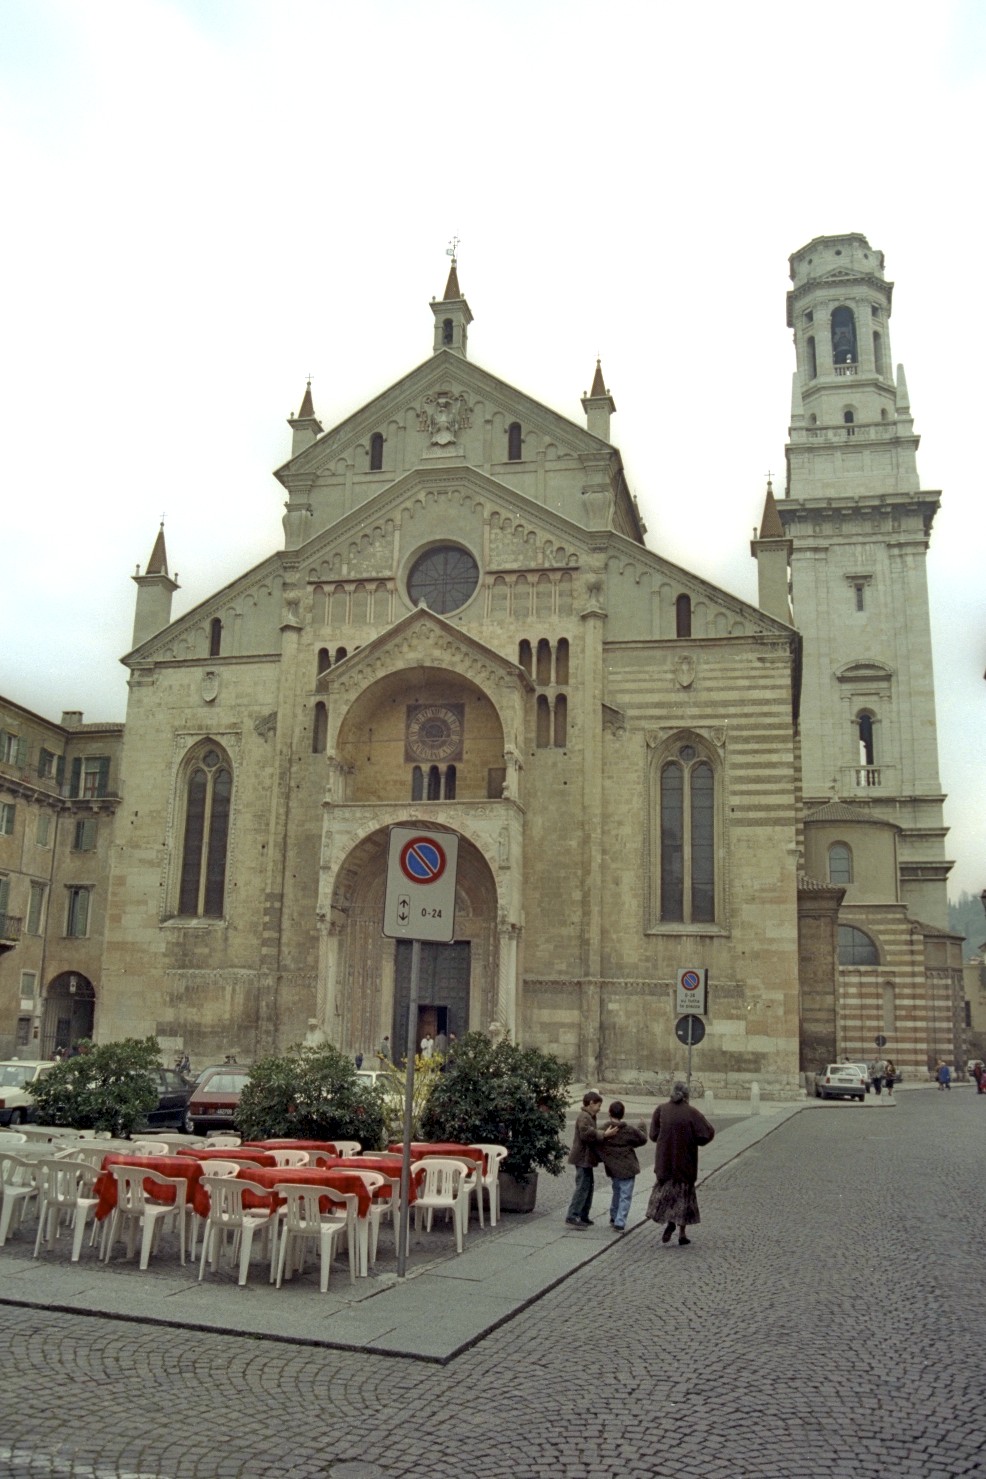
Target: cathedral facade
x=465 y=630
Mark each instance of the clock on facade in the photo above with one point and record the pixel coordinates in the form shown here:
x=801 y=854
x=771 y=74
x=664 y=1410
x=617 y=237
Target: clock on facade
x=433 y=732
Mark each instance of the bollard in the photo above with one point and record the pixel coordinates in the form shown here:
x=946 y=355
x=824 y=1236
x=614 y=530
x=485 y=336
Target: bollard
x=754 y=1098
x=709 y=1096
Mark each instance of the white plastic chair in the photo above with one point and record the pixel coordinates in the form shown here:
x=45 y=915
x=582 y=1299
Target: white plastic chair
x=150 y=1147
x=217 y=1167
x=229 y=1140
x=135 y=1210
x=346 y=1147
x=302 y=1221
x=65 y=1188
x=228 y=1216
x=493 y=1157
x=10 y=1138
x=443 y=1186
x=290 y=1158
x=384 y=1207
x=19 y=1186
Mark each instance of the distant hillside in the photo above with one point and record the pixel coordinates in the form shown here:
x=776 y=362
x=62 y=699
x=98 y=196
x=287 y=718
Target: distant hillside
x=966 y=917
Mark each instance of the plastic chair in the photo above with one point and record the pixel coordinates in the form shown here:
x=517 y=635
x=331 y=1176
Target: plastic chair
x=346 y=1147
x=290 y=1157
x=443 y=1185
x=150 y=1147
x=227 y=1215
x=18 y=1185
x=229 y=1140
x=218 y=1167
x=493 y=1157
x=65 y=1188
x=11 y=1138
x=135 y=1210
x=93 y=1155
x=302 y=1221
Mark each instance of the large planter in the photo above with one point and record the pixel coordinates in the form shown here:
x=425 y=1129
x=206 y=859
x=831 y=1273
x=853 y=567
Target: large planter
x=518 y=1196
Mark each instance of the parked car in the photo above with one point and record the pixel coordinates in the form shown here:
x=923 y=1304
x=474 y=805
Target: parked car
x=840 y=1081
x=215 y=1098
x=373 y=1077
x=174 y=1091
x=863 y=1069
x=16 y=1104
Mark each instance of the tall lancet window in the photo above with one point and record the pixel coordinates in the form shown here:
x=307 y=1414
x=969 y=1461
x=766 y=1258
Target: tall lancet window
x=208 y=798
x=844 y=350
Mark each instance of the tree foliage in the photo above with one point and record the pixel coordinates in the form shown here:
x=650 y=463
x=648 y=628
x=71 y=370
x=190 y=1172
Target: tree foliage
x=427 y=1073
x=965 y=917
x=501 y=1094
x=108 y=1088
x=310 y=1093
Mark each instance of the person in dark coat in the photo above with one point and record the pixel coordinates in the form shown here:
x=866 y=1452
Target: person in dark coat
x=678 y=1131
x=584 y=1156
x=619 y=1157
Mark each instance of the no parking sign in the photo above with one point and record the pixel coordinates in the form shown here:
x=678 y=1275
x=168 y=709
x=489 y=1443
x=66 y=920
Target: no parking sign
x=692 y=990
x=420 y=901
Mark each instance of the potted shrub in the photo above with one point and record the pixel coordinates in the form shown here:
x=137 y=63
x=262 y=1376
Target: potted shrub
x=109 y=1089
x=499 y=1093
x=310 y=1093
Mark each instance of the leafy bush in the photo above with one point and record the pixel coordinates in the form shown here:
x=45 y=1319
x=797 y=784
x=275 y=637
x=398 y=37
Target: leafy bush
x=310 y=1093
x=499 y=1093
x=427 y=1073
x=108 y=1088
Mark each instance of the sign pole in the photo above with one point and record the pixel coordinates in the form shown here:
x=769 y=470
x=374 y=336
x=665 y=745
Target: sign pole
x=412 y=1032
x=690 y=1035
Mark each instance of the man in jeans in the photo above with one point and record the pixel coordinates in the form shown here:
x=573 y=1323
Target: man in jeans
x=584 y=1156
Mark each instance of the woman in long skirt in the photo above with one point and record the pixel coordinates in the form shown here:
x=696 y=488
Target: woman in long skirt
x=678 y=1131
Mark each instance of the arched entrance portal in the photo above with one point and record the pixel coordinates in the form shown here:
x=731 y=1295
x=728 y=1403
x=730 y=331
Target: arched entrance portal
x=70 y=1008
x=364 y=978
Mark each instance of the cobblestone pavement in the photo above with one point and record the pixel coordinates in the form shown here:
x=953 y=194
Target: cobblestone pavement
x=823 y=1323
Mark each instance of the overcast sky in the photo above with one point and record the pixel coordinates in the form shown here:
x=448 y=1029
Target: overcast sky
x=206 y=202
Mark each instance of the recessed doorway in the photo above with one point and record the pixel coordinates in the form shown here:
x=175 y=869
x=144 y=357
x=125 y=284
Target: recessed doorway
x=443 y=992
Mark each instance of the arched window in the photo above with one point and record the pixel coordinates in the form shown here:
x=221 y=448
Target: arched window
x=867 y=749
x=683 y=616
x=844 y=350
x=543 y=723
x=417 y=784
x=840 y=863
x=812 y=357
x=849 y=420
x=525 y=657
x=208 y=797
x=514 y=448
x=561 y=661
x=324 y=661
x=878 y=352
x=561 y=722
x=434 y=783
x=340 y=654
x=856 y=947
x=320 y=729
x=450 y=783
x=544 y=663
x=215 y=636
x=687 y=838
x=447 y=331
x=376 y=451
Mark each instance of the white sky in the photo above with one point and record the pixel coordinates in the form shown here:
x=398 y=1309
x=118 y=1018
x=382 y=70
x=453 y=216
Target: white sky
x=207 y=201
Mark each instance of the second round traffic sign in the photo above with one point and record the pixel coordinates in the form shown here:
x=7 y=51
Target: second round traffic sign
x=689 y=1030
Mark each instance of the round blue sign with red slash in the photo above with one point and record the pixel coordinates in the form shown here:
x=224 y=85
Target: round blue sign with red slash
x=690 y=980
x=422 y=860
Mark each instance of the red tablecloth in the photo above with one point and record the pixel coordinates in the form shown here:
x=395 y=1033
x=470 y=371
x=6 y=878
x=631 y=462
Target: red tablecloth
x=327 y=1146
x=182 y=1167
x=345 y=1181
x=256 y=1157
x=422 y=1148
x=385 y=1165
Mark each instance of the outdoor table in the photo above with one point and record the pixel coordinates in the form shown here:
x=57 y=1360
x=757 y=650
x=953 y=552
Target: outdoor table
x=327 y=1146
x=183 y=1167
x=384 y=1165
x=347 y=1182
x=422 y=1148
x=237 y=1153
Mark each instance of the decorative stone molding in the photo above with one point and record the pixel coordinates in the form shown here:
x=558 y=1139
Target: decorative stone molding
x=443 y=415
x=266 y=726
x=211 y=679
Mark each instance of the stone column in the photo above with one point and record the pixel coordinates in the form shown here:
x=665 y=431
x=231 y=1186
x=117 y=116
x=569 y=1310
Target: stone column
x=508 y=936
x=328 y=1006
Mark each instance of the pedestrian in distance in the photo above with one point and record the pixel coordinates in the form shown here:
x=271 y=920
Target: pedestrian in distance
x=427 y=1045
x=889 y=1074
x=979 y=1076
x=875 y=1070
x=383 y=1051
x=584 y=1156
x=619 y=1157
x=677 y=1130
x=441 y=1044
x=944 y=1076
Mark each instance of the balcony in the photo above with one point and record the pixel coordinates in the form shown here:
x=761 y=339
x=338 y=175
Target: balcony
x=10 y=931
x=844 y=370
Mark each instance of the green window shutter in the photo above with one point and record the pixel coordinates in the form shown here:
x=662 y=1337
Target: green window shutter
x=75 y=785
x=103 y=780
x=4 y=894
x=4 y=738
x=22 y=751
x=60 y=769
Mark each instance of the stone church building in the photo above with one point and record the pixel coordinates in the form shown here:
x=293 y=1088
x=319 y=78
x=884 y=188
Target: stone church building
x=466 y=631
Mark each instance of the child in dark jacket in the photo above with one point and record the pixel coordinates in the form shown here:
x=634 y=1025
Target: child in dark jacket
x=620 y=1162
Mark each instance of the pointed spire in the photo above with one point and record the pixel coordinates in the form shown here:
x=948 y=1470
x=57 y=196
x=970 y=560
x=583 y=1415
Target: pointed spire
x=158 y=563
x=770 y=525
x=452 y=293
x=307 y=409
x=305 y=427
x=598 y=384
x=598 y=406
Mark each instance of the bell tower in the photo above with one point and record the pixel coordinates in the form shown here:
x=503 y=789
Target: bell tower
x=859 y=525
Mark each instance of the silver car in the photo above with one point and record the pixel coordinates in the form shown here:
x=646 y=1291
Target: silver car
x=841 y=1081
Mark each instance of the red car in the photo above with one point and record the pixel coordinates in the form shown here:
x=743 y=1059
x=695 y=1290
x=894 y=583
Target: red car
x=215 y=1099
